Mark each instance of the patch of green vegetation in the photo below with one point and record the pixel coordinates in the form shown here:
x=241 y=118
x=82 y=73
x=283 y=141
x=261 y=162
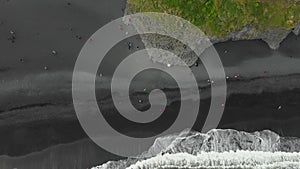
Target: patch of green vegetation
x=219 y=17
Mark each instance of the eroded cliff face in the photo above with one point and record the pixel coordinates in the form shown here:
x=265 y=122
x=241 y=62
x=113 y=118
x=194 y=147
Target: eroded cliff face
x=272 y=36
x=217 y=140
x=296 y=30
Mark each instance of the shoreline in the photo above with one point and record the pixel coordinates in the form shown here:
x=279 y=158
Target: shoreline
x=60 y=126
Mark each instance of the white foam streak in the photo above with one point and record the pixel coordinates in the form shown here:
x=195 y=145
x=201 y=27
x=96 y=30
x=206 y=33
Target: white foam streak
x=239 y=159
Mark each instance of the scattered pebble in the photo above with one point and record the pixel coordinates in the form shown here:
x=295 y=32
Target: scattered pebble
x=227 y=77
x=79 y=37
x=225 y=51
x=12 y=37
x=169 y=65
x=140 y=101
x=54 y=52
x=279 y=107
x=170 y=47
x=12 y=32
x=46 y=68
x=129 y=45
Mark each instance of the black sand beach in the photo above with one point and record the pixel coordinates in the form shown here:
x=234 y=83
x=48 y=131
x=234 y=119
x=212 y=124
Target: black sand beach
x=38 y=125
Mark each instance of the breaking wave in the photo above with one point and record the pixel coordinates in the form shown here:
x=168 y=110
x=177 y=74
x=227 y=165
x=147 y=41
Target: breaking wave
x=214 y=160
x=216 y=149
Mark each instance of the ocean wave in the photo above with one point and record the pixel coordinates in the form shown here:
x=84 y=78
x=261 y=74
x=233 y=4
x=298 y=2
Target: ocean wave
x=215 y=149
x=225 y=160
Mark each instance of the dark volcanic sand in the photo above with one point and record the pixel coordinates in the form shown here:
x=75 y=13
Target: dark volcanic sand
x=248 y=112
x=36 y=111
x=245 y=111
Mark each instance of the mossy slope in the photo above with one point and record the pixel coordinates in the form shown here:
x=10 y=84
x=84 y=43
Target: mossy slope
x=221 y=17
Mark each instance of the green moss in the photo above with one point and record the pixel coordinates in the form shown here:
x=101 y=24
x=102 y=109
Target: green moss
x=219 y=17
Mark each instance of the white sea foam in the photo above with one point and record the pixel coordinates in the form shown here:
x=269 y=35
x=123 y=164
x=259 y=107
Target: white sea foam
x=216 y=149
x=239 y=159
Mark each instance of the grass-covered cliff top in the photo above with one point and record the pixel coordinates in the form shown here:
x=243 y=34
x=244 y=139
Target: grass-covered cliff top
x=219 y=17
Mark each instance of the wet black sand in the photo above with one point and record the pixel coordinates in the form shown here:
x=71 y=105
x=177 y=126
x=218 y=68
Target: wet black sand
x=39 y=128
x=247 y=112
x=32 y=141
